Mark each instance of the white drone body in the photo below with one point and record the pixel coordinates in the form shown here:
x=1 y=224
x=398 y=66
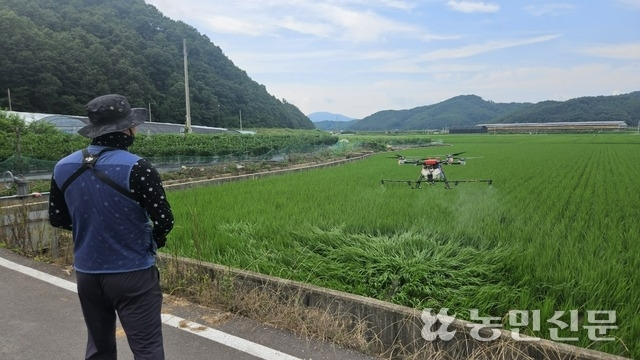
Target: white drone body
x=432 y=173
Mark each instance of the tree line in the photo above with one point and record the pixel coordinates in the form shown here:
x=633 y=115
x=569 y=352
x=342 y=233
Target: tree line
x=41 y=140
x=56 y=55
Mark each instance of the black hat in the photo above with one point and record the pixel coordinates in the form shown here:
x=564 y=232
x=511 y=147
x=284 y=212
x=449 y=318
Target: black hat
x=111 y=113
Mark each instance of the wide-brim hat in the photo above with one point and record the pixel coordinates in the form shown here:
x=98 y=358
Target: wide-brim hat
x=111 y=113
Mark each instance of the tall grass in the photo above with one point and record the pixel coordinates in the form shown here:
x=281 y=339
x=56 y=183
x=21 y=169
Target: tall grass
x=556 y=232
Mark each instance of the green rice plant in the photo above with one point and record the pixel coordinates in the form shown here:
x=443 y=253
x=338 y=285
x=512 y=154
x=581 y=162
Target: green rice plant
x=557 y=231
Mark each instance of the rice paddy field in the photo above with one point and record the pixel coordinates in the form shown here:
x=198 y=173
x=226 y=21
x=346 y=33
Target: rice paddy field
x=556 y=235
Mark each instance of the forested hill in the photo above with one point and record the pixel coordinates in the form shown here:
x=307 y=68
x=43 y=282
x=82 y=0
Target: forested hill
x=469 y=110
x=461 y=110
x=56 y=55
x=625 y=107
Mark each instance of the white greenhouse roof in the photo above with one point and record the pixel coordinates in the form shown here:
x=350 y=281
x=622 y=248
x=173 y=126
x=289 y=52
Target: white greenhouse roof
x=619 y=124
x=71 y=124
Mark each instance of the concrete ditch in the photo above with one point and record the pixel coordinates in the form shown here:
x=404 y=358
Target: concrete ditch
x=262 y=174
x=391 y=330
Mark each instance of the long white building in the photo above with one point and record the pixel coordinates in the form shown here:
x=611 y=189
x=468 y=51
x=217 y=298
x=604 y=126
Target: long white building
x=71 y=124
x=557 y=126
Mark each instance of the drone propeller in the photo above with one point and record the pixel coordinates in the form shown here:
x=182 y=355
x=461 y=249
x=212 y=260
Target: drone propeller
x=443 y=156
x=473 y=157
x=402 y=160
x=448 y=158
x=451 y=157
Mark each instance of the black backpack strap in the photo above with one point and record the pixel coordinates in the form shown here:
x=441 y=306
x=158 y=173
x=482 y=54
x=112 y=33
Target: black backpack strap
x=87 y=158
x=88 y=164
x=113 y=184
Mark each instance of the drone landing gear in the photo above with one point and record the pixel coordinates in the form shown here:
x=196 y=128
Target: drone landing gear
x=488 y=181
x=415 y=184
x=418 y=183
x=408 y=182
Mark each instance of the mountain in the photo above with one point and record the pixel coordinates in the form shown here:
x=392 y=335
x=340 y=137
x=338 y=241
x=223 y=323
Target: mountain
x=469 y=110
x=327 y=116
x=58 y=54
x=327 y=121
x=625 y=107
x=461 y=110
x=334 y=125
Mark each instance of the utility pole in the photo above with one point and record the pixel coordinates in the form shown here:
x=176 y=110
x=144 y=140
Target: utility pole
x=18 y=159
x=186 y=88
x=9 y=95
x=240 y=120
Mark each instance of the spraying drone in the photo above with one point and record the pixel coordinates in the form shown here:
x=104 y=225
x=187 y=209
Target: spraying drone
x=432 y=170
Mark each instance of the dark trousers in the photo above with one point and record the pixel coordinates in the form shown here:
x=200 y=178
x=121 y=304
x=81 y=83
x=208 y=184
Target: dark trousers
x=136 y=298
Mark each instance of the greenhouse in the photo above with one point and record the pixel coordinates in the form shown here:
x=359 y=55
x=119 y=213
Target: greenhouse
x=577 y=126
x=71 y=124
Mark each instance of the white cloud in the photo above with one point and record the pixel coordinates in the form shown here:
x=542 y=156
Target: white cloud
x=476 y=49
x=359 y=26
x=392 y=4
x=549 y=9
x=535 y=84
x=473 y=6
x=525 y=84
x=337 y=20
x=231 y=25
x=397 y=4
x=357 y=57
x=308 y=27
x=616 y=51
x=632 y=3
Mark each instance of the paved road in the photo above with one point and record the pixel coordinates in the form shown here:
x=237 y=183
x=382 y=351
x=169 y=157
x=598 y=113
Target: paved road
x=41 y=319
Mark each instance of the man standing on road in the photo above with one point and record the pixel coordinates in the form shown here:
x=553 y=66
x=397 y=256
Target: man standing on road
x=115 y=205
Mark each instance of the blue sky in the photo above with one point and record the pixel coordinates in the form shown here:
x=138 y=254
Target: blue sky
x=358 y=57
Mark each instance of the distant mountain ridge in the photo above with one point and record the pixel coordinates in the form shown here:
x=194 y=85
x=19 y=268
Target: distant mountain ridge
x=334 y=125
x=470 y=110
x=330 y=121
x=327 y=116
